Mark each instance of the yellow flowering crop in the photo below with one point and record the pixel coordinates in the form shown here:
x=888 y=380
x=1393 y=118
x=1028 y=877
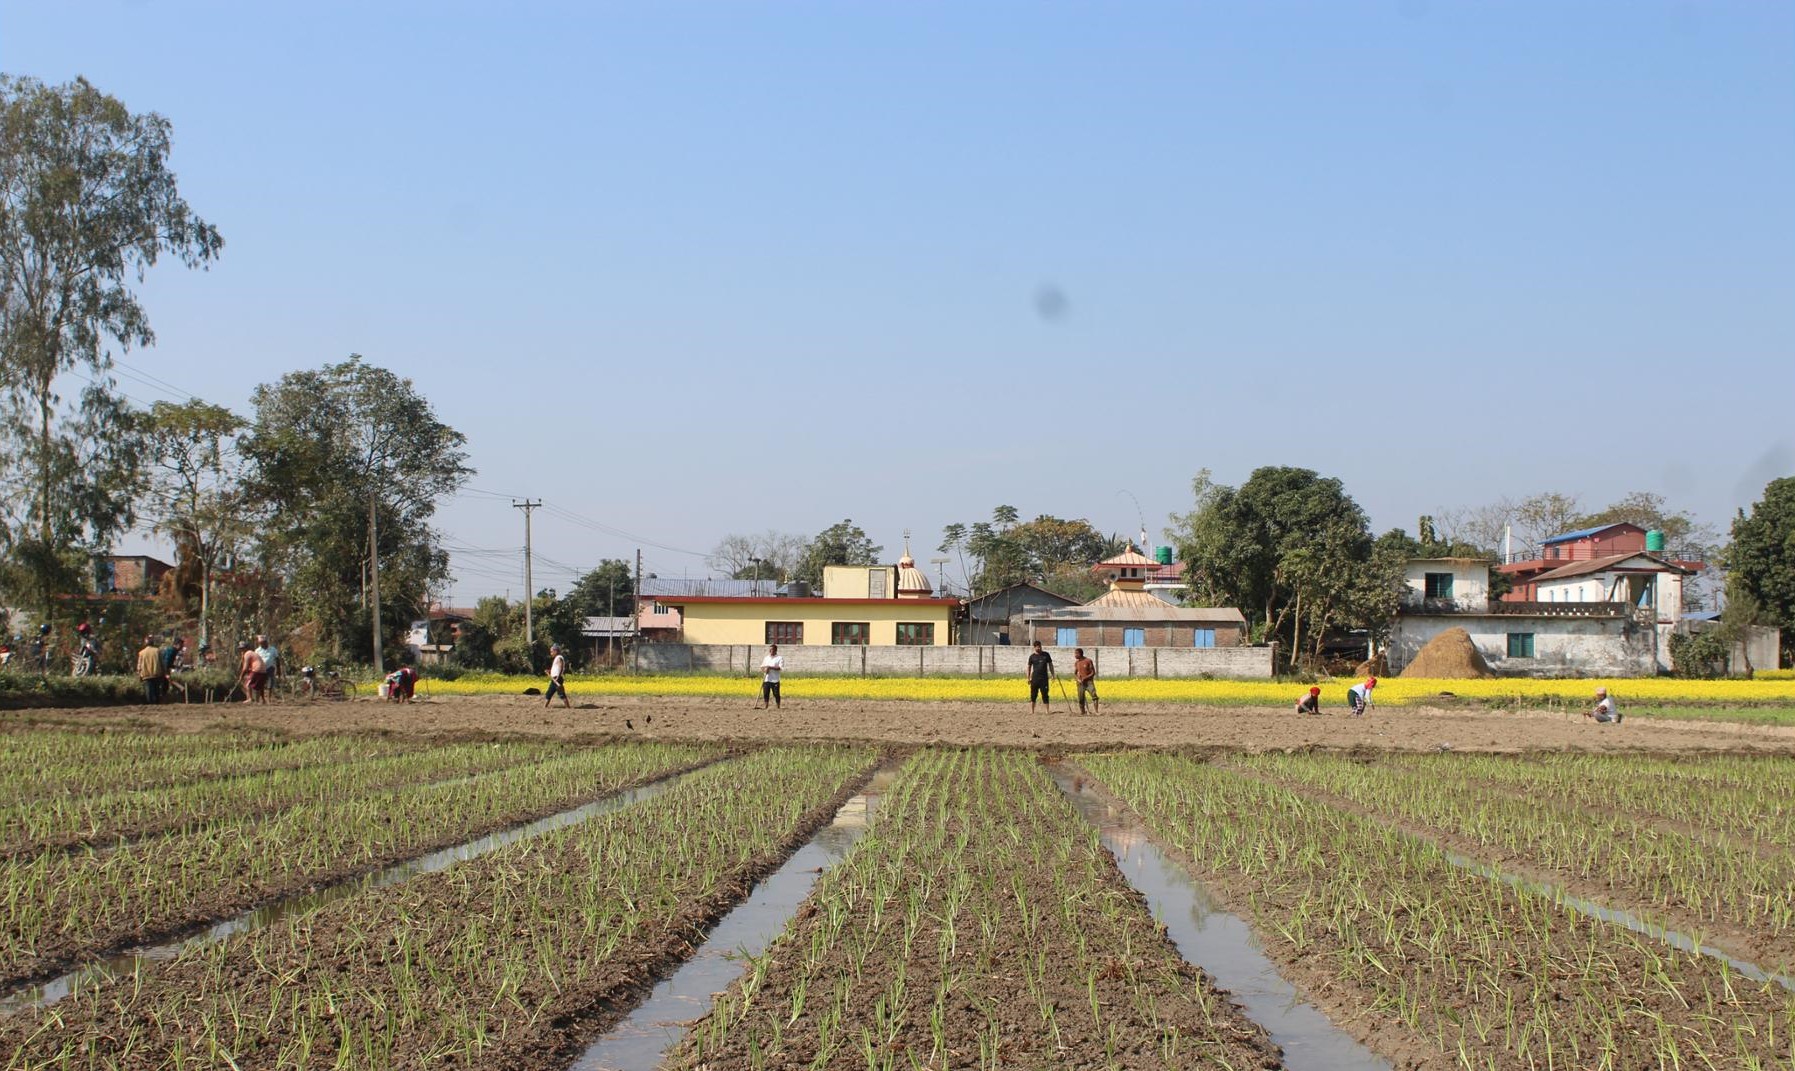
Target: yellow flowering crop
x=1390 y=690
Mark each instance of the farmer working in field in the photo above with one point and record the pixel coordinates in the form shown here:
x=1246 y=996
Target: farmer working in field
x=557 y=671
x=150 y=671
x=402 y=684
x=1040 y=668
x=1605 y=711
x=1084 y=671
x=1310 y=703
x=1359 y=697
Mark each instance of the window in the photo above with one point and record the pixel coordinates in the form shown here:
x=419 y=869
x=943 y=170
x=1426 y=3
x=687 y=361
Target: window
x=916 y=635
x=1065 y=637
x=849 y=632
x=1204 y=637
x=784 y=632
x=1520 y=645
x=1134 y=637
x=1439 y=586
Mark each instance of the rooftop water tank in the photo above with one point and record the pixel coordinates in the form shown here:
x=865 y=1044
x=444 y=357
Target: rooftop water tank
x=1162 y=555
x=1654 y=541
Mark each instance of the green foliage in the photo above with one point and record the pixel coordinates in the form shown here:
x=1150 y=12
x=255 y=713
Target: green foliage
x=1050 y=551
x=844 y=543
x=86 y=202
x=322 y=447
x=1761 y=560
x=1684 y=537
x=1700 y=654
x=197 y=497
x=1293 y=552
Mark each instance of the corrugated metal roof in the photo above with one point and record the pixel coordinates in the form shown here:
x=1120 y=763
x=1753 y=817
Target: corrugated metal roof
x=1603 y=564
x=1582 y=532
x=663 y=587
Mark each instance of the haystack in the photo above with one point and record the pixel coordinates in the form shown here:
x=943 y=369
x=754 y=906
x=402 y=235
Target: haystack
x=1450 y=654
x=1375 y=666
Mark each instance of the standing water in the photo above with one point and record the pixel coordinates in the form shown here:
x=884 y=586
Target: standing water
x=1217 y=942
x=276 y=911
x=652 y=1029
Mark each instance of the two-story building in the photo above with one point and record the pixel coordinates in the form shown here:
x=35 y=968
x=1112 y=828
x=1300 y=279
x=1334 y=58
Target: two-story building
x=1128 y=615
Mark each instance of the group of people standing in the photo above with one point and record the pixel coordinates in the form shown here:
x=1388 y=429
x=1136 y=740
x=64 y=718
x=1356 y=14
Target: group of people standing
x=156 y=663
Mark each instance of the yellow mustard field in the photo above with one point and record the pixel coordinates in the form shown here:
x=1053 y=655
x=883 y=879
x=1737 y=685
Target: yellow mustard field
x=1390 y=690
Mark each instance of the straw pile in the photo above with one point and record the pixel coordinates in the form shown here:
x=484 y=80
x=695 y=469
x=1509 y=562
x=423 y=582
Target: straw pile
x=1377 y=666
x=1450 y=654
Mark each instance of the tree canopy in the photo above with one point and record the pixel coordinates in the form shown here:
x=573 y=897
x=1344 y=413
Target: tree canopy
x=842 y=543
x=324 y=445
x=87 y=206
x=1050 y=551
x=1290 y=549
x=1761 y=560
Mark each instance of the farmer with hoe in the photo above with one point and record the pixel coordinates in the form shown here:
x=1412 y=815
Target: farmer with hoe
x=1084 y=671
x=1605 y=712
x=1040 y=668
x=1310 y=703
x=557 y=674
x=1359 y=697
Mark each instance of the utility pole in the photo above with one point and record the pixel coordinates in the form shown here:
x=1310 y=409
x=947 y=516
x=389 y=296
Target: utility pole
x=529 y=589
x=635 y=619
x=374 y=588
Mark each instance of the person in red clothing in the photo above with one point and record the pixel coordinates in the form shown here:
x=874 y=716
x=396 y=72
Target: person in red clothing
x=401 y=684
x=1310 y=703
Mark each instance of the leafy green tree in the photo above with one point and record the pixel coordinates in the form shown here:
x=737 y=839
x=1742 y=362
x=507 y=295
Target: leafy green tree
x=1760 y=562
x=1292 y=550
x=843 y=543
x=1684 y=536
x=87 y=202
x=605 y=591
x=196 y=494
x=326 y=446
x=1051 y=551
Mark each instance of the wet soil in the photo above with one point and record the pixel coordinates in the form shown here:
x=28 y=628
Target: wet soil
x=1754 y=944
x=978 y=923
x=1409 y=728
x=59 y=952
x=1659 y=980
x=359 y=965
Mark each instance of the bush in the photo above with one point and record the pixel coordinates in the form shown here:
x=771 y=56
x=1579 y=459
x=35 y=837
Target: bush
x=60 y=690
x=1699 y=654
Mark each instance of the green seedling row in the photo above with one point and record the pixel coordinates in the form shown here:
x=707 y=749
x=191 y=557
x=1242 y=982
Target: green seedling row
x=1636 y=864
x=59 y=765
x=1746 y=798
x=1493 y=976
x=978 y=924
x=487 y=964
x=109 y=817
x=57 y=906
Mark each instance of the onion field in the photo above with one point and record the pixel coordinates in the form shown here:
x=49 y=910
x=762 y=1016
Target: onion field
x=1442 y=911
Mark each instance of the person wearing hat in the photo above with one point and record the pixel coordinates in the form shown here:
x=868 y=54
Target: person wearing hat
x=1310 y=703
x=1605 y=711
x=1359 y=697
x=150 y=671
x=557 y=669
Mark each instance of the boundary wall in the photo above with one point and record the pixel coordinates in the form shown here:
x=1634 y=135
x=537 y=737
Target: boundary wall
x=955 y=661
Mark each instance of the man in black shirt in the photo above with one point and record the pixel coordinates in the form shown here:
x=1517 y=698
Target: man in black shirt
x=1040 y=668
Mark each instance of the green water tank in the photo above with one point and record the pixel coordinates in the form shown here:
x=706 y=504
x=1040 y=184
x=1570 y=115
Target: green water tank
x=1654 y=541
x=1162 y=555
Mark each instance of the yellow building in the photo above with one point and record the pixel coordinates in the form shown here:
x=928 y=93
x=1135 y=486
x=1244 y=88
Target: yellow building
x=878 y=605
x=862 y=605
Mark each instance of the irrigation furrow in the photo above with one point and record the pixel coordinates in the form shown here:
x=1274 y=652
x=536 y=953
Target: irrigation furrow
x=978 y=923
x=642 y=1038
x=65 y=907
x=1735 y=895
x=108 y=820
x=507 y=961
x=1447 y=967
x=1218 y=943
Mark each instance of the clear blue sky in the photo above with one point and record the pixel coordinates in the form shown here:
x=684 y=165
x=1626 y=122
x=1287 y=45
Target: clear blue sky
x=686 y=269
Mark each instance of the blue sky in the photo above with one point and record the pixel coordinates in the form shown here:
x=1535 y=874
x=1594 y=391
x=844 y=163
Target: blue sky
x=686 y=269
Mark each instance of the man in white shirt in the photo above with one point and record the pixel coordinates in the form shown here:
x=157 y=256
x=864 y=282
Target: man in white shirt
x=769 y=676
x=1605 y=711
x=557 y=669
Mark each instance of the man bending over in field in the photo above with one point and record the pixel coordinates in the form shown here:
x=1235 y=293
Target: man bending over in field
x=1605 y=711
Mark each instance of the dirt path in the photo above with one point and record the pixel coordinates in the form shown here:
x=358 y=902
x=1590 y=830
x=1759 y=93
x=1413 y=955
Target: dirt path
x=1412 y=728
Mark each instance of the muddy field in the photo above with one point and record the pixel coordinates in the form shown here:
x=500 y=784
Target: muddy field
x=1409 y=728
x=1538 y=892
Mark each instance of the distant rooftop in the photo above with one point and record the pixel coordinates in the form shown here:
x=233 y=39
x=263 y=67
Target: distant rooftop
x=1582 y=533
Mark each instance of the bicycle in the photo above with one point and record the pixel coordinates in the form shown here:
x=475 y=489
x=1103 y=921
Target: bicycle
x=330 y=686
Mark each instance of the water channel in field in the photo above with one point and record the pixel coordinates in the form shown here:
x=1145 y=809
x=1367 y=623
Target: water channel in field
x=653 y=1027
x=276 y=911
x=1217 y=942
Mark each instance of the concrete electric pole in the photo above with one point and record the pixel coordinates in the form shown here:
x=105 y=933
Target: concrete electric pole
x=529 y=589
